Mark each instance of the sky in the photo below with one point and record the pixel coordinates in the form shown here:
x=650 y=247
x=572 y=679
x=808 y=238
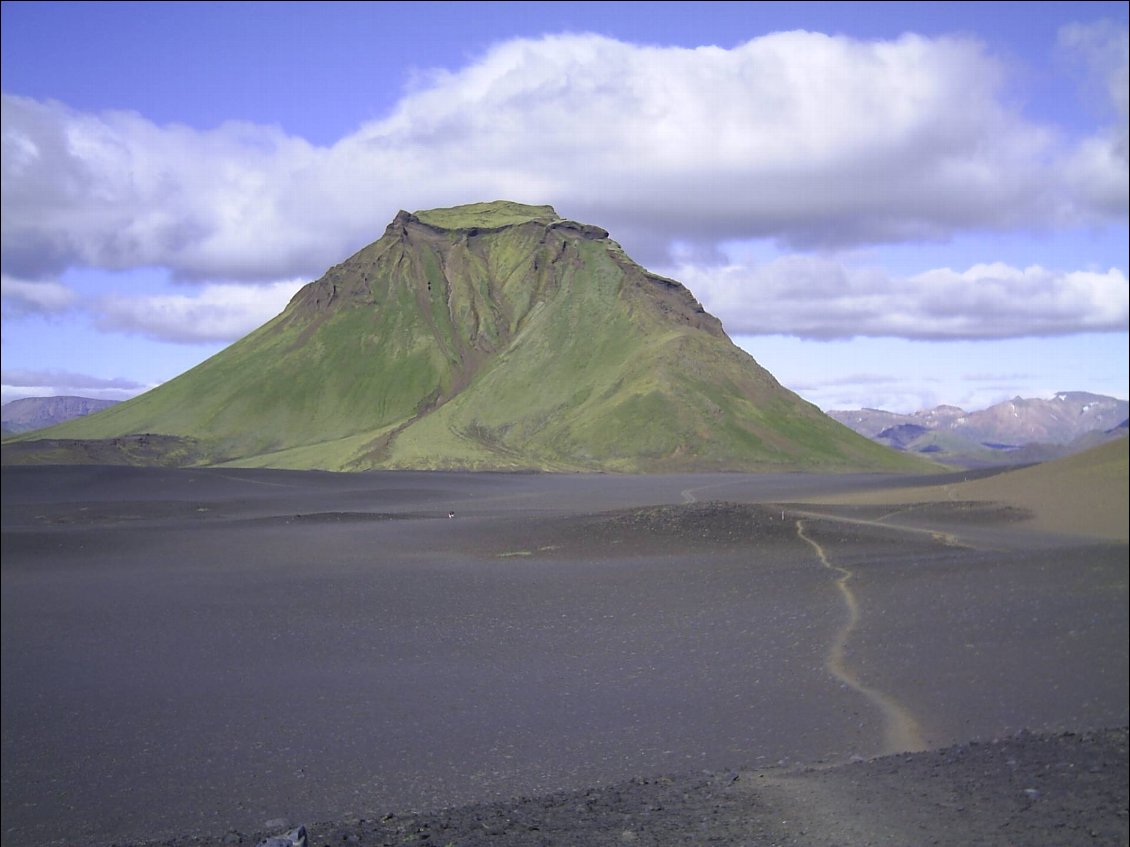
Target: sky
x=888 y=205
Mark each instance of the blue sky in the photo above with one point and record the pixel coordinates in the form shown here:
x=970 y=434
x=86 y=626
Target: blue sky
x=888 y=205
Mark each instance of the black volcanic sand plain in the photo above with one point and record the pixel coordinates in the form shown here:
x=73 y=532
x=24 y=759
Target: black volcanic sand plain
x=210 y=656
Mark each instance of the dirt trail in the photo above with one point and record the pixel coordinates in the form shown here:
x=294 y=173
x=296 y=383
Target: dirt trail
x=901 y=733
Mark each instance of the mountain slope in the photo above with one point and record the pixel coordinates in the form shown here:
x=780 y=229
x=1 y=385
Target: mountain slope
x=1082 y=494
x=495 y=335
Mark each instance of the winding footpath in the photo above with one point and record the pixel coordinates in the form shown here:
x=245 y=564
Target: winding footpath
x=901 y=732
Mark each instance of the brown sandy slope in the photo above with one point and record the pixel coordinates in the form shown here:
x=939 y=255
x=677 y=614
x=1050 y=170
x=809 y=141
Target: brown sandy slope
x=1085 y=494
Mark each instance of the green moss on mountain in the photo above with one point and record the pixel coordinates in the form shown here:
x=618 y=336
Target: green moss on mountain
x=500 y=213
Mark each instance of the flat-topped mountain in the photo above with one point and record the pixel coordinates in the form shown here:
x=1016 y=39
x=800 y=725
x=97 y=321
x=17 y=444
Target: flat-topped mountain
x=489 y=336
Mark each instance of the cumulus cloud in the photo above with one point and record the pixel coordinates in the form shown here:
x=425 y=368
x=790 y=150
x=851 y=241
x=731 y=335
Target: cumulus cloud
x=214 y=313
x=115 y=191
x=1100 y=166
x=21 y=297
x=821 y=298
x=799 y=137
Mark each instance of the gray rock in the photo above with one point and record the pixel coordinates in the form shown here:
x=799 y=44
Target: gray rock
x=294 y=838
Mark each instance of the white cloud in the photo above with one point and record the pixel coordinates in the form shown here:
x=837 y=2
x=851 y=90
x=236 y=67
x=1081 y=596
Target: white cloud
x=904 y=375
x=21 y=297
x=800 y=137
x=16 y=383
x=37 y=379
x=1100 y=166
x=115 y=191
x=819 y=297
x=215 y=313
x=797 y=136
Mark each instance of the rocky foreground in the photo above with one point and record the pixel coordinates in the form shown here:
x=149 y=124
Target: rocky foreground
x=1036 y=790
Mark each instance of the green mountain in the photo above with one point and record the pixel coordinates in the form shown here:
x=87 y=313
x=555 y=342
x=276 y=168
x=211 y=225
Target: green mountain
x=489 y=336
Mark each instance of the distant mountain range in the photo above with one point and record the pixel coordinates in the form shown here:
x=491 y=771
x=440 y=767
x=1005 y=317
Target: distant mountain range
x=494 y=336
x=32 y=413
x=1016 y=431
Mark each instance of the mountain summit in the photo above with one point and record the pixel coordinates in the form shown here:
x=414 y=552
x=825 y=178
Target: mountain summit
x=489 y=336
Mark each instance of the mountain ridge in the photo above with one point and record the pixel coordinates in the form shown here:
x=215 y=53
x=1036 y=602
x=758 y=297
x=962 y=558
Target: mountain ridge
x=1015 y=431
x=31 y=413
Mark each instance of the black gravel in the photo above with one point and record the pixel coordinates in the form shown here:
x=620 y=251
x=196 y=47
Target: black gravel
x=212 y=657
x=1048 y=790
